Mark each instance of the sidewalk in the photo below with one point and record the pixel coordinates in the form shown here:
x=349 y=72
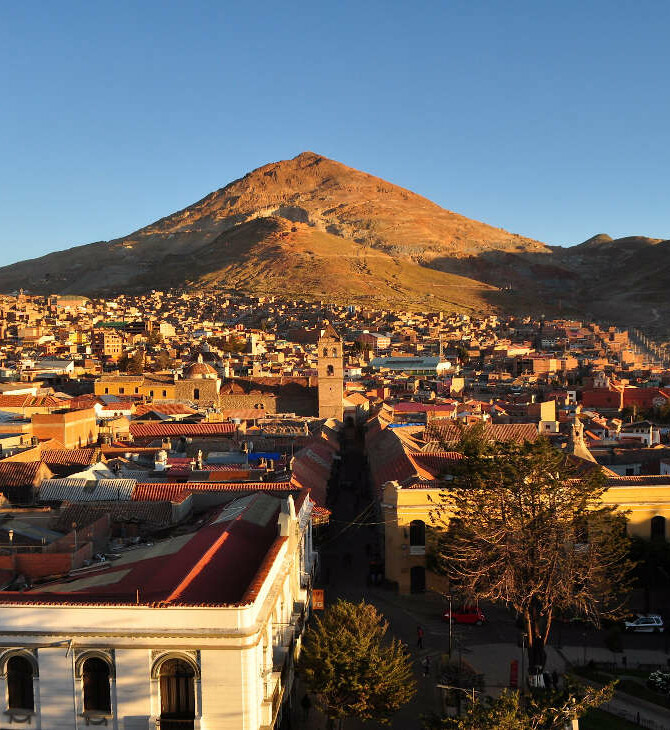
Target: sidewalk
x=582 y=655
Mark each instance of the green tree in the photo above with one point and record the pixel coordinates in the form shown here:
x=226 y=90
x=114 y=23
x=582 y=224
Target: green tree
x=514 y=711
x=163 y=360
x=132 y=364
x=349 y=667
x=524 y=525
x=154 y=338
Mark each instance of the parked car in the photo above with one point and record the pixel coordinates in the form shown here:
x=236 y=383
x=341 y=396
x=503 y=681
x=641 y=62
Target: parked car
x=466 y=615
x=650 y=622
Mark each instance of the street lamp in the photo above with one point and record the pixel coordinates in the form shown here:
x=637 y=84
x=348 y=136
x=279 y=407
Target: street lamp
x=451 y=640
x=523 y=659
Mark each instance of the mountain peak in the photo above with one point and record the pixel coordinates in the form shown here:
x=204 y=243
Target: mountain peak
x=326 y=226
x=600 y=239
x=308 y=155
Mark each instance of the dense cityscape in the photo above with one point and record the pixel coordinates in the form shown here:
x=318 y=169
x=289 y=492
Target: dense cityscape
x=193 y=481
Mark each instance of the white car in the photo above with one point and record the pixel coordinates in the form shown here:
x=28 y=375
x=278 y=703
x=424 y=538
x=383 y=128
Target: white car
x=651 y=622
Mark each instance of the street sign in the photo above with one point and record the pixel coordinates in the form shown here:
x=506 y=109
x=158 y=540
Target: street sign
x=318 y=599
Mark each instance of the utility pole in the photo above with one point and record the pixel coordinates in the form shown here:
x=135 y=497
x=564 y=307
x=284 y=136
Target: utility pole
x=451 y=619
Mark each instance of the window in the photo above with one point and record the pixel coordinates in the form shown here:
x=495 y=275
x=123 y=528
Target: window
x=417 y=532
x=122 y=391
x=177 y=690
x=658 y=528
x=334 y=352
x=196 y=393
x=417 y=579
x=20 y=694
x=165 y=394
x=137 y=390
x=106 y=391
x=95 y=679
x=331 y=370
x=325 y=352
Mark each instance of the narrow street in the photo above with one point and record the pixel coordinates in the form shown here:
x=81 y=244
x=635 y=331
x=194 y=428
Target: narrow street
x=353 y=540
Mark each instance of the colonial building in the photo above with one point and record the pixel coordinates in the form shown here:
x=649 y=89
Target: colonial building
x=409 y=473
x=331 y=375
x=197 y=631
x=200 y=385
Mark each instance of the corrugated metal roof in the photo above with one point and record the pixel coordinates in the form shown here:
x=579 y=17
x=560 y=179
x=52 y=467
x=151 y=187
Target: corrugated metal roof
x=82 y=490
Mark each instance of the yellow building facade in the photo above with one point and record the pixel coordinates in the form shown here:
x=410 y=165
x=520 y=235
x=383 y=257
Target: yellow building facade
x=409 y=515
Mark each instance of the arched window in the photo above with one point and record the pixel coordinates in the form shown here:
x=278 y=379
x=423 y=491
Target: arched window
x=20 y=694
x=331 y=370
x=95 y=678
x=334 y=351
x=417 y=532
x=658 y=528
x=196 y=393
x=325 y=352
x=177 y=688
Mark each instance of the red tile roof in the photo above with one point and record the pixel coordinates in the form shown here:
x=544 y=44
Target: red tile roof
x=71 y=457
x=160 y=491
x=157 y=430
x=515 y=432
x=167 y=409
x=84 y=513
x=32 y=401
x=434 y=464
x=639 y=481
x=19 y=473
x=412 y=407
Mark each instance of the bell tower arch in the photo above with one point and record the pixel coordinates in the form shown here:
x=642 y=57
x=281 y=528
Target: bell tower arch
x=331 y=374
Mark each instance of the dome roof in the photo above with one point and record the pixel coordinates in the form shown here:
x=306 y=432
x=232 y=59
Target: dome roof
x=200 y=369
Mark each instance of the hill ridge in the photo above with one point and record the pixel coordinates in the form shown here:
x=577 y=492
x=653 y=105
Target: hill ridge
x=326 y=219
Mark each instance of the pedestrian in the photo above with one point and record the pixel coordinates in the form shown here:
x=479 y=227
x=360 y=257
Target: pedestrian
x=306 y=705
x=419 y=637
x=426 y=666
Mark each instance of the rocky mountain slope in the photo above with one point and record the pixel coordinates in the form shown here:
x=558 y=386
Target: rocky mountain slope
x=314 y=227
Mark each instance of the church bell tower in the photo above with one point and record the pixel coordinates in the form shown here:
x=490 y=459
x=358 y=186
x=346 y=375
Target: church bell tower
x=331 y=375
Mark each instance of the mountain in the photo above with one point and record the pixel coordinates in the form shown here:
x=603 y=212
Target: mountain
x=313 y=227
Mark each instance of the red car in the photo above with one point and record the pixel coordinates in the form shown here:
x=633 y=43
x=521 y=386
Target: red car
x=466 y=615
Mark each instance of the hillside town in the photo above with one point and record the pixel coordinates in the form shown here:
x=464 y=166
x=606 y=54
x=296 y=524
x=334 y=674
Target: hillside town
x=187 y=477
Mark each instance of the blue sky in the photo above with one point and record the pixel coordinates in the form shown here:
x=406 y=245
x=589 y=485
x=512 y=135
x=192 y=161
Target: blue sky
x=549 y=119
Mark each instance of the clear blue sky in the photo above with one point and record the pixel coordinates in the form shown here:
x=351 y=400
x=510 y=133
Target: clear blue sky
x=550 y=119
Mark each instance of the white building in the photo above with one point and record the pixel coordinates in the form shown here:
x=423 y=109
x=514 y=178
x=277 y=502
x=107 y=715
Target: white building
x=196 y=631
